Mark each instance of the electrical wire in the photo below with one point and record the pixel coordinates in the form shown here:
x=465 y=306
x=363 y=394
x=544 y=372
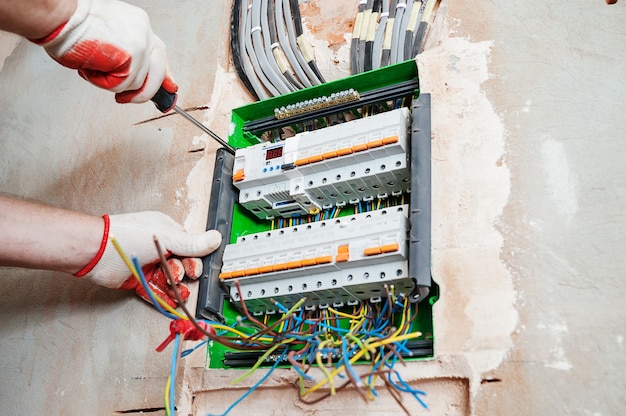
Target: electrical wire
x=255 y=82
x=356 y=37
x=388 y=38
x=158 y=303
x=253 y=56
x=411 y=28
x=429 y=6
x=273 y=76
x=170 y=386
x=403 y=30
x=397 y=27
x=277 y=52
x=367 y=13
x=376 y=332
x=380 y=32
x=302 y=41
x=235 y=48
x=365 y=43
x=286 y=45
x=293 y=40
x=254 y=387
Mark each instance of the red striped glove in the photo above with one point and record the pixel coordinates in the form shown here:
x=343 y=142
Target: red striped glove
x=135 y=234
x=111 y=44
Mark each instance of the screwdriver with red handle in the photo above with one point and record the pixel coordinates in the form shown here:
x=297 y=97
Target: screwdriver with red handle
x=166 y=101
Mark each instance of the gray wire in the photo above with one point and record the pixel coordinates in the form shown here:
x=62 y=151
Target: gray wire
x=397 y=23
x=378 y=39
x=245 y=59
x=267 y=42
x=294 y=44
x=402 y=35
x=417 y=25
x=286 y=46
x=367 y=13
x=259 y=50
x=255 y=63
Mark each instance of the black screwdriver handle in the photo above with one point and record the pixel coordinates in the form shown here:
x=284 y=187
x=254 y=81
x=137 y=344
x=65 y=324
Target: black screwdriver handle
x=164 y=100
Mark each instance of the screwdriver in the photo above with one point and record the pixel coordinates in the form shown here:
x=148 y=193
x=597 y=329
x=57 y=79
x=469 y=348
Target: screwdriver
x=166 y=101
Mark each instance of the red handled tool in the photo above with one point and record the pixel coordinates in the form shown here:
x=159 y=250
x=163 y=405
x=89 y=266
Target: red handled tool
x=187 y=330
x=166 y=101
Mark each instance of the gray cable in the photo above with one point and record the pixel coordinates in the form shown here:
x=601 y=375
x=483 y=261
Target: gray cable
x=259 y=51
x=396 y=30
x=255 y=63
x=402 y=35
x=267 y=42
x=245 y=59
x=418 y=12
x=294 y=44
x=286 y=46
x=378 y=39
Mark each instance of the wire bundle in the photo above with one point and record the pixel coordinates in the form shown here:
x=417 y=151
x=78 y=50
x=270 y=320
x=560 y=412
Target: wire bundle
x=270 y=52
x=170 y=313
x=374 y=333
x=386 y=32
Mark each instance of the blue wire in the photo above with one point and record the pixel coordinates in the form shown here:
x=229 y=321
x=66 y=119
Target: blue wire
x=407 y=389
x=144 y=283
x=257 y=384
x=190 y=350
x=173 y=375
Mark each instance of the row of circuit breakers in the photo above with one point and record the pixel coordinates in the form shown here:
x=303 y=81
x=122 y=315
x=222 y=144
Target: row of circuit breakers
x=334 y=262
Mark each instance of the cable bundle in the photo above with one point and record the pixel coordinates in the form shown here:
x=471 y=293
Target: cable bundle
x=270 y=53
x=375 y=334
x=388 y=31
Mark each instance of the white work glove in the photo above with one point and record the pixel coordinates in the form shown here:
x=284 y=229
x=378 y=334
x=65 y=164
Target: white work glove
x=135 y=234
x=112 y=45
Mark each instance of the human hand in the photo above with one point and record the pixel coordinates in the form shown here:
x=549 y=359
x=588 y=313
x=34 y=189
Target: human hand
x=112 y=45
x=135 y=234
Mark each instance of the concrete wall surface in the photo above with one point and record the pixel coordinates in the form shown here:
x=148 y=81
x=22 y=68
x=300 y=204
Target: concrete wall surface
x=529 y=185
x=67 y=347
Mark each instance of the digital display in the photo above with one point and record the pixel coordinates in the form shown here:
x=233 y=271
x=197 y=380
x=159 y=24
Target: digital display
x=273 y=153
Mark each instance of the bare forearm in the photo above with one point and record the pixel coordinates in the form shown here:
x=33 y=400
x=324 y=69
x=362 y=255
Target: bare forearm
x=41 y=237
x=34 y=19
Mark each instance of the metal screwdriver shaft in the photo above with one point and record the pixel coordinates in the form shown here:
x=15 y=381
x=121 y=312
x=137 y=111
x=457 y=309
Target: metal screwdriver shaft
x=204 y=129
x=166 y=101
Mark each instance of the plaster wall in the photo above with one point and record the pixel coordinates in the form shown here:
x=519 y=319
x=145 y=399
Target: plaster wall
x=68 y=347
x=528 y=191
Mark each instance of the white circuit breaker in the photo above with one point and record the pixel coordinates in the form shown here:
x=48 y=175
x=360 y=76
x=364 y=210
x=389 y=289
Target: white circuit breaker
x=345 y=163
x=332 y=263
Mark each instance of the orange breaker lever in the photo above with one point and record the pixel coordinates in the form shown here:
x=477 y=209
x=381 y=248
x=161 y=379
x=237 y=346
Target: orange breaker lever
x=166 y=101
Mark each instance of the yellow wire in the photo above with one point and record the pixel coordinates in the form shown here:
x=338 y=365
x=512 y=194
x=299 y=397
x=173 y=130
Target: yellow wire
x=360 y=353
x=131 y=267
x=261 y=360
x=345 y=315
x=238 y=332
x=323 y=369
x=166 y=396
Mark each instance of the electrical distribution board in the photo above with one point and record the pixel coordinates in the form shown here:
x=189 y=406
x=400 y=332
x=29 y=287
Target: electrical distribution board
x=330 y=203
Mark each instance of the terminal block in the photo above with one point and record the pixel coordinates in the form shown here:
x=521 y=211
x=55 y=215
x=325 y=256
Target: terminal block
x=335 y=262
x=341 y=164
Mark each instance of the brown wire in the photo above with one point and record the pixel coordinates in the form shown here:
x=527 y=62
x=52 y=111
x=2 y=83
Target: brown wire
x=219 y=339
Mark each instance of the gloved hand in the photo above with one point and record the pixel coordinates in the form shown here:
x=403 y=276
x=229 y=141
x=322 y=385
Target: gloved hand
x=112 y=45
x=135 y=234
